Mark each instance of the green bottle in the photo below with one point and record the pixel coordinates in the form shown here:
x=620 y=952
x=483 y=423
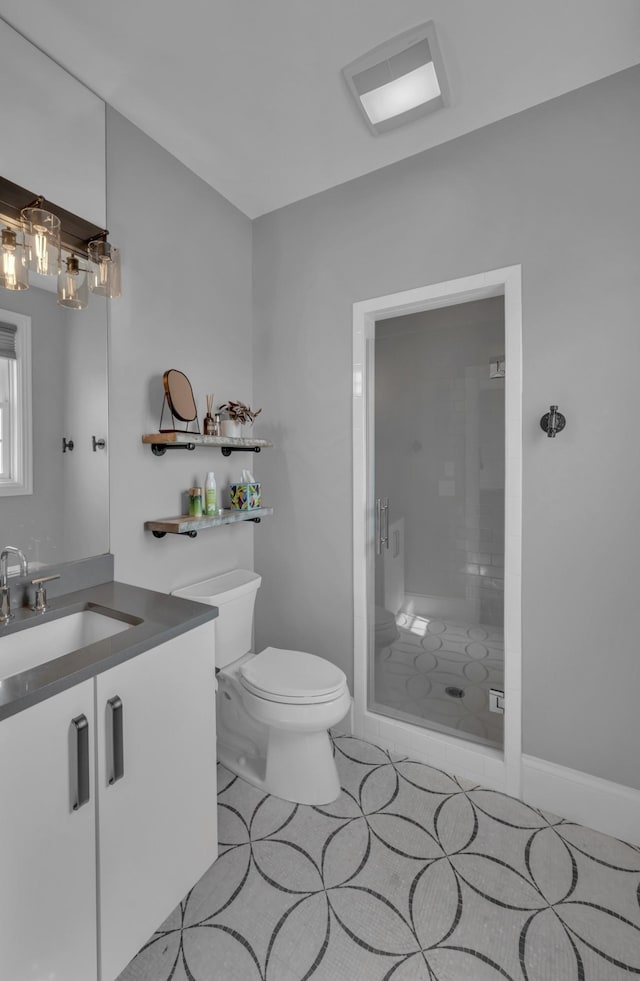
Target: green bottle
x=210 y=494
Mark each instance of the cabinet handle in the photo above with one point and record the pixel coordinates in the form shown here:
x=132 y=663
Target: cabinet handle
x=117 y=739
x=81 y=729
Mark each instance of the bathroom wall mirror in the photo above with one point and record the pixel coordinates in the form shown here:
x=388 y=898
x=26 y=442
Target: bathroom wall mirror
x=66 y=517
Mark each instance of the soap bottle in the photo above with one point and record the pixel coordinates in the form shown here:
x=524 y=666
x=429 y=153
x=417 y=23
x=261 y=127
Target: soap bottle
x=210 y=494
x=195 y=502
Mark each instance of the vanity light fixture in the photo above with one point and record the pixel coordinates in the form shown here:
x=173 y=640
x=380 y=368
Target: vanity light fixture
x=104 y=261
x=14 y=271
x=49 y=241
x=73 y=284
x=42 y=230
x=400 y=80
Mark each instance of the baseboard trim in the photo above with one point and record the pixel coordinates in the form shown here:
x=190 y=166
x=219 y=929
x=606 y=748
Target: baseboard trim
x=475 y=762
x=608 y=807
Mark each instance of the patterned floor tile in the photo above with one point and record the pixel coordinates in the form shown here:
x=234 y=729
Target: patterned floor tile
x=428 y=657
x=410 y=875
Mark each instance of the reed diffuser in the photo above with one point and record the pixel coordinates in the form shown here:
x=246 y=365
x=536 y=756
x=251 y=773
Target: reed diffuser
x=209 y=426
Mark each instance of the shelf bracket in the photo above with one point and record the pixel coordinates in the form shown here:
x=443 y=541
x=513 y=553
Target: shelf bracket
x=228 y=450
x=188 y=534
x=159 y=449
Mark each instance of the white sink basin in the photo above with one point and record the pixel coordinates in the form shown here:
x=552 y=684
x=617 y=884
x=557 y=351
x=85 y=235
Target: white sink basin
x=47 y=641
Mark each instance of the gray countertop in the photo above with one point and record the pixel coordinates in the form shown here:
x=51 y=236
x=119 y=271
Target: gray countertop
x=160 y=617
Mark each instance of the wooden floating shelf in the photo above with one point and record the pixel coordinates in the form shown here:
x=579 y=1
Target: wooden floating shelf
x=161 y=442
x=185 y=524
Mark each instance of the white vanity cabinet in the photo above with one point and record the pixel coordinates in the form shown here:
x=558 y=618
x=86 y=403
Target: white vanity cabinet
x=158 y=831
x=145 y=836
x=48 y=878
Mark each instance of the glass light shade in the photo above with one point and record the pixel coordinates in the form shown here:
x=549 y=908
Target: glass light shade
x=14 y=266
x=73 y=284
x=104 y=269
x=43 y=237
x=401 y=94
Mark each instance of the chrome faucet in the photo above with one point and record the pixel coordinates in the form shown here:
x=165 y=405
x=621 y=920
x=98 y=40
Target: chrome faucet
x=5 y=593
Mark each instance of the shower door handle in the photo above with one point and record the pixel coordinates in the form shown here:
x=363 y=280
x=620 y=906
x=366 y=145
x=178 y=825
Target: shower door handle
x=382 y=523
x=385 y=508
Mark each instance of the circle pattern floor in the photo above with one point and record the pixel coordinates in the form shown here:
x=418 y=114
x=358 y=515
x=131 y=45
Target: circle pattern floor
x=410 y=875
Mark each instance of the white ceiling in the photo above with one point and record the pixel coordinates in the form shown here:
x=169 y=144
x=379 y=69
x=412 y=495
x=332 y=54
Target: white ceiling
x=249 y=93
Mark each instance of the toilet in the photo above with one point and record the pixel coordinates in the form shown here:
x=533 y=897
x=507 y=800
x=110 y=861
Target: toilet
x=274 y=709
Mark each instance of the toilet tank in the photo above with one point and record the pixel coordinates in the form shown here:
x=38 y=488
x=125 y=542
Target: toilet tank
x=234 y=593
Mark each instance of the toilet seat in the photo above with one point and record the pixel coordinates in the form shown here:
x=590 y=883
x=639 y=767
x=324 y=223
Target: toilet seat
x=292 y=677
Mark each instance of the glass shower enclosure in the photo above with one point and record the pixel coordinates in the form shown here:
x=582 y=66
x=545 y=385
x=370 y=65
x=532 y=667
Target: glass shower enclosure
x=436 y=656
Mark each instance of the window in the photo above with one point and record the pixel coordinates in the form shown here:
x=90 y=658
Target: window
x=16 y=465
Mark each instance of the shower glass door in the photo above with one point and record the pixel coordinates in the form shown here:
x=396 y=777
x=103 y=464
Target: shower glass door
x=436 y=656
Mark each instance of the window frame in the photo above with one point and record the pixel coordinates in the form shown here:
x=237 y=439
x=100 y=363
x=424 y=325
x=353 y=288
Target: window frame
x=20 y=481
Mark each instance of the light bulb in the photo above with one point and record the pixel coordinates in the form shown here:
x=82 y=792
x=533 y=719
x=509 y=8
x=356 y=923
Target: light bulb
x=105 y=268
x=73 y=290
x=43 y=235
x=13 y=261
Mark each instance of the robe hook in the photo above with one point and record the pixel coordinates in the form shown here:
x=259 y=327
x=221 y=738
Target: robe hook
x=553 y=422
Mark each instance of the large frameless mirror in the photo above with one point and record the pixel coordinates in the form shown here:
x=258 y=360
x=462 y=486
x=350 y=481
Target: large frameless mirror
x=62 y=514
x=65 y=514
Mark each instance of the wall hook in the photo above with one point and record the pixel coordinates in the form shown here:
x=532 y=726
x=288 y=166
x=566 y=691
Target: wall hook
x=67 y=444
x=553 y=422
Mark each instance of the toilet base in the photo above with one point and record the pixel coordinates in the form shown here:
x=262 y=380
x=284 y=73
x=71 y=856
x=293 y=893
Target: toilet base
x=302 y=768
x=299 y=768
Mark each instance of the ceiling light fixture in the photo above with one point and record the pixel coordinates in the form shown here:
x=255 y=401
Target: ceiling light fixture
x=399 y=80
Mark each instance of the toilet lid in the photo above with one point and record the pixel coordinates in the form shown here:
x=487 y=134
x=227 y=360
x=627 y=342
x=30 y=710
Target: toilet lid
x=292 y=676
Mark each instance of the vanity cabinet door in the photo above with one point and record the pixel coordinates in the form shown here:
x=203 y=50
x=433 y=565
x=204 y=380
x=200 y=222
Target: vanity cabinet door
x=157 y=788
x=48 y=880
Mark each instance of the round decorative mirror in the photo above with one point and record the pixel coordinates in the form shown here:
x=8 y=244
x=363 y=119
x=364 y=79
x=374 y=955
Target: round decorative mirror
x=179 y=396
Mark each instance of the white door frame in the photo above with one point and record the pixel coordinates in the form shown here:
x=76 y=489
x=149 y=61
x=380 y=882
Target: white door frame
x=492 y=768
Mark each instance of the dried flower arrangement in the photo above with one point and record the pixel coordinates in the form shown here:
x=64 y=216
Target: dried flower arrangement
x=239 y=412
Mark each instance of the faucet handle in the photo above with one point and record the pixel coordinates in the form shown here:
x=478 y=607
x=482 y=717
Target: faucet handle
x=40 y=604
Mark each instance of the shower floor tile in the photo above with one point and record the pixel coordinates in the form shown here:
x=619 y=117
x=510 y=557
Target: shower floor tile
x=411 y=875
x=428 y=657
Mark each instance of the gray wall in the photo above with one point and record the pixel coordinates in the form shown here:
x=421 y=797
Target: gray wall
x=555 y=189
x=186 y=304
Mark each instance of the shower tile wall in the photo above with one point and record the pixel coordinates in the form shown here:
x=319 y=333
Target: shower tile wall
x=439 y=451
x=481 y=549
